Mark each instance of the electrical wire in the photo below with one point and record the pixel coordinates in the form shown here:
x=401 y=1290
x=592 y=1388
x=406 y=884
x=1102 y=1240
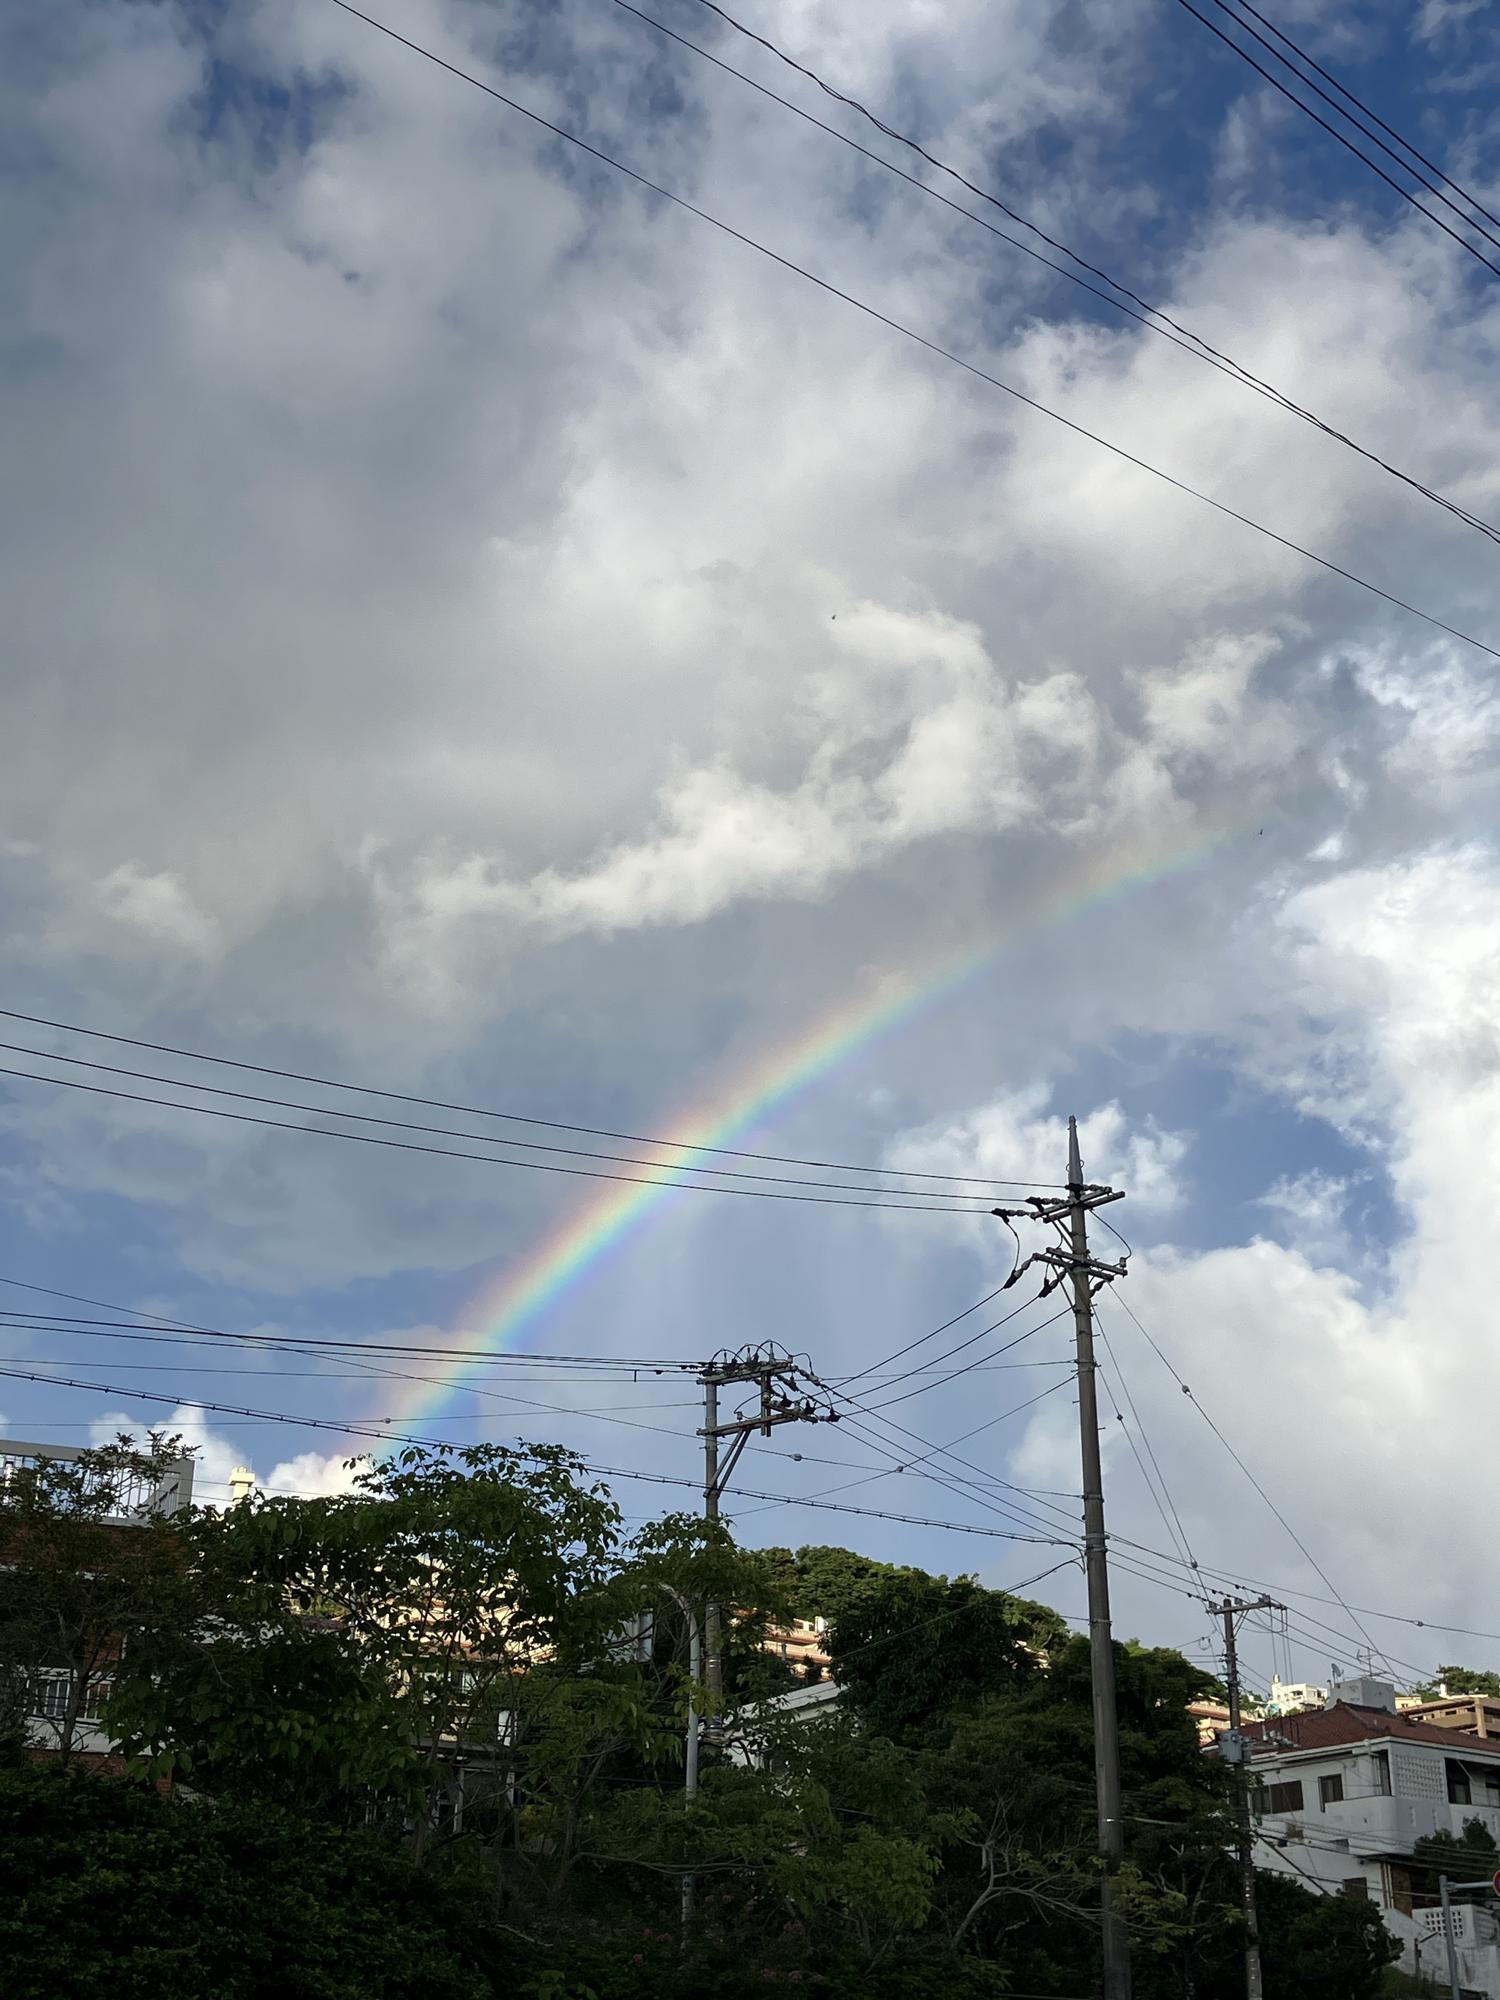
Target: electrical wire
x=922 y=1339
x=957 y=1474
x=1332 y=130
x=1173 y=1534
x=160 y=1320
x=483 y=1138
x=480 y=1111
x=1174 y=1527
x=926 y=1388
x=1241 y=1579
x=913 y=1467
x=1153 y=318
x=919 y=339
x=1308 y=84
x=384 y=1437
x=1344 y=91
x=1306 y=1553
x=486 y=1159
x=349 y=1361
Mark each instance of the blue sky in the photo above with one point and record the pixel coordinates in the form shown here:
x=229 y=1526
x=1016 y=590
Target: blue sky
x=478 y=632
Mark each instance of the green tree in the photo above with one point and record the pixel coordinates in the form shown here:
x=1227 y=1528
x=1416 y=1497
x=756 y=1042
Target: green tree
x=1316 y=1947
x=819 y=1581
x=87 y=1560
x=1471 y=1856
x=1460 y=1680
x=914 y=1647
x=363 y=1641
x=111 y=1889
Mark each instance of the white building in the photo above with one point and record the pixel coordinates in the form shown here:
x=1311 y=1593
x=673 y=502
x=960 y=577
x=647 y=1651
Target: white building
x=1339 y=1798
x=1288 y=1697
x=746 y=1738
x=47 y=1690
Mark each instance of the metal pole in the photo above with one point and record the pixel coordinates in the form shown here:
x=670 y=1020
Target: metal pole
x=1253 y=1987
x=690 y=1780
x=713 y=1662
x=1453 y=1986
x=1101 y=1644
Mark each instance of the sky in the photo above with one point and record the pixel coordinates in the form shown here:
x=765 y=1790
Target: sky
x=476 y=630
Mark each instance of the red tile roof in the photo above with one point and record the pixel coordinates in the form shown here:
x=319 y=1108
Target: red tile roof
x=1332 y=1728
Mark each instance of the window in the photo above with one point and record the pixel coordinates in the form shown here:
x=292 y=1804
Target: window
x=1382 y=1770
x=1356 y=1888
x=1330 y=1791
x=50 y=1692
x=1460 y=1792
x=1491 y=1789
x=1278 y=1798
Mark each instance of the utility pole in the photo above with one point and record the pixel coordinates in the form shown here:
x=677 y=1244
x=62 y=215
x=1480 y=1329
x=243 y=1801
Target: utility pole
x=690 y=1747
x=1233 y=1749
x=1085 y=1275
x=772 y=1370
x=1445 y=1887
x=1446 y=1901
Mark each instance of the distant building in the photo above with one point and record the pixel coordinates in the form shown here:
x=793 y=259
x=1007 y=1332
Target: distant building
x=1470 y=1714
x=171 y=1493
x=1340 y=1796
x=1292 y=1697
x=1211 y=1718
x=47 y=1688
x=746 y=1737
x=803 y=1644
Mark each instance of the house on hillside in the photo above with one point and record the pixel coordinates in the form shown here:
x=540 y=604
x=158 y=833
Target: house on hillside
x=1340 y=1796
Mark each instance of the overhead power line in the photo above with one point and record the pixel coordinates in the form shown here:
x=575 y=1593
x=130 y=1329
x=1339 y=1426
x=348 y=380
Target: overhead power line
x=1306 y=1553
x=921 y=340
x=1347 y=143
x=934 y=1207
x=1119 y=297
x=387 y=1437
x=1359 y=103
x=481 y=1138
x=1297 y=70
x=482 y=1111
x=350 y=1355
x=368 y=1434
x=163 y=1322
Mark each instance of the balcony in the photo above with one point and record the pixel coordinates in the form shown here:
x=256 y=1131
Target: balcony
x=1384 y=1825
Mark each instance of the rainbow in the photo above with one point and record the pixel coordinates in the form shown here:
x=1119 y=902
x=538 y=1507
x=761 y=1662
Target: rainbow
x=524 y=1289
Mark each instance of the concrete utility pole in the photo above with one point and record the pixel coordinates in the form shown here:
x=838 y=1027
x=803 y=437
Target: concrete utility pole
x=1231 y=1609
x=773 y=1371
x=1084 y=1276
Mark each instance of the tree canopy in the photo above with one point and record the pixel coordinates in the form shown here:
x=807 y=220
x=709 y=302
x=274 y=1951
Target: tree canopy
x=1460 y=1680
x=432 y=1732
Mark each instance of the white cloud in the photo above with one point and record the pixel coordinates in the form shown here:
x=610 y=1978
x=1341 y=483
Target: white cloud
x=1015 y=1138
x=312 y=1474
x=1353 y=1411
x=159 y=908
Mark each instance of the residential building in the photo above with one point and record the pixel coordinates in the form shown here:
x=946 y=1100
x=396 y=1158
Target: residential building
x=1211 y=1718
x=171 y=1493
x=803 y=1644
x=1291 y=1697
x=745 y=1740
x=44 y=1682
x=1340 y=1796
x=1470 y=1714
